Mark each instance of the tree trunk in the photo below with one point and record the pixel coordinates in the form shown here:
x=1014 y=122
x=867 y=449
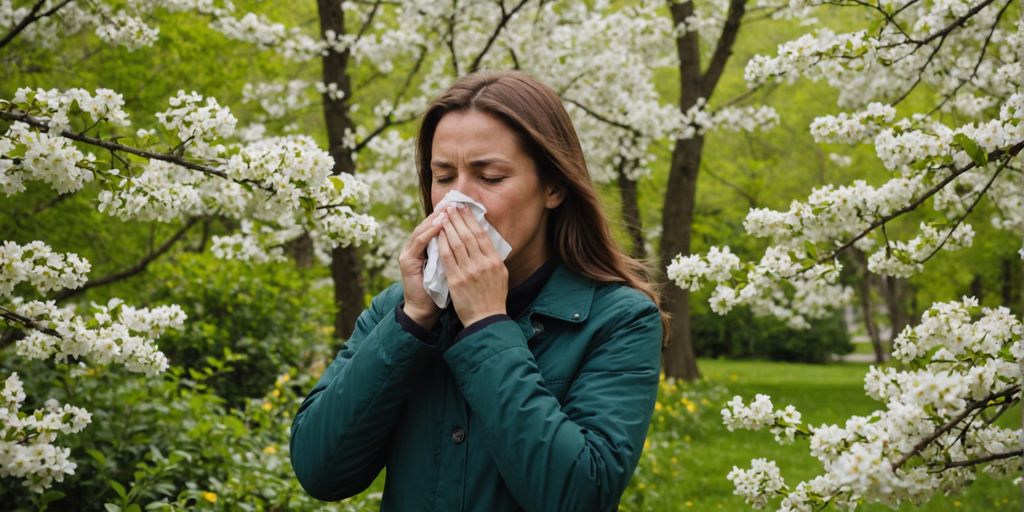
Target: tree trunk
x=681 y=192
x=680 y=360
x=345 y=263
x=895 y=290
x=631 y=216
x=866 y=307
x=977 y=288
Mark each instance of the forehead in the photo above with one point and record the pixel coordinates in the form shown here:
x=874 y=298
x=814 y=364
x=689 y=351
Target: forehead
x=473 y=132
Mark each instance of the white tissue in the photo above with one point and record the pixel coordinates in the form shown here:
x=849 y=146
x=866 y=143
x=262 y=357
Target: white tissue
x=435 y=280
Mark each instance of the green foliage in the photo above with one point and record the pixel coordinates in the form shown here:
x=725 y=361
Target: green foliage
x=260 y=319
x=170 y=443
x=823 y=393
x=742 y=335
x=683 y=413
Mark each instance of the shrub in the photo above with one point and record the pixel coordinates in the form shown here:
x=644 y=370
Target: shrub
x=262 y=317
x=741 y=335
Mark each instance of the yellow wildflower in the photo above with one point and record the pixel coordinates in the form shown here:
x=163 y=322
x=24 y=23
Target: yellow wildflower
x=270 y=449
x=690 y=406
x=657 y=406
x=267 y=406
x=210 y=496
x=275 y=393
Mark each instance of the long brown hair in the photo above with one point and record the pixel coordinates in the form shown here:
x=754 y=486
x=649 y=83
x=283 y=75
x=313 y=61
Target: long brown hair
x=578 y=230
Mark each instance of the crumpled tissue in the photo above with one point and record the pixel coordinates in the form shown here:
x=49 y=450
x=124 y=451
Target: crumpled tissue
x=435 y=279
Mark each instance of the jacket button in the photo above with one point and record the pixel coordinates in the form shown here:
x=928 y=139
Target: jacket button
x=537 y=328
x=575 y=316
x=458 y=435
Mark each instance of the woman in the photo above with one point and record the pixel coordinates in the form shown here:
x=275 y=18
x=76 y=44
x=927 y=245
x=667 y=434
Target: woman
x=535 y=388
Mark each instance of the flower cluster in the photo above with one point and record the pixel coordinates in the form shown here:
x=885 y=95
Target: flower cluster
x=38 y=265
x=284 y=182
x=26 y=440
x=935 y=432
x=785 y=423
x=784 y=284
x=114 y=333
x=126 y=30
x=277 y=99
x=111 y=333
x=197 y=124
x=903 y=259
x=758 y=483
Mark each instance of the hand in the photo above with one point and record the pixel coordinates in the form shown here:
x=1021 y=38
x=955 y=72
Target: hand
x=477 y=277
x=418 y=305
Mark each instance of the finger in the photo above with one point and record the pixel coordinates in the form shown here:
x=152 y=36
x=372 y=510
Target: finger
x=455 y=242
x=445 y=252
x=483 y=240
x=417 y=245
x=458 y=220
x=427 y=223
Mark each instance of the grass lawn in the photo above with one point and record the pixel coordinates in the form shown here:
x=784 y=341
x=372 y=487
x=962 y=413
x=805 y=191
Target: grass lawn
x=823 y=393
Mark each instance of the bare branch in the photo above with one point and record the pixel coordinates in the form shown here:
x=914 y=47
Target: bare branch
x=31 y=18
x=505 y=17
x=137 y=268
x=113 y=146
x=995 y=155
x=982 y=460
x=723 y=48
x=13 y=316
x=603 y=118
x=984 y=402
x=960 y=219
x=368 y=21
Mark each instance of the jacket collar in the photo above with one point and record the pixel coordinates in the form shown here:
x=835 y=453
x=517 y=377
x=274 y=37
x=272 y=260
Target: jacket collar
x=566 y=296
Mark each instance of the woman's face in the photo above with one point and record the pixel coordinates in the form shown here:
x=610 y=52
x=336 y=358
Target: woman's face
x=478 y=155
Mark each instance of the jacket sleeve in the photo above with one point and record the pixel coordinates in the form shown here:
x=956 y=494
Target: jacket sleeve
x=578 y=455
x=340 y=433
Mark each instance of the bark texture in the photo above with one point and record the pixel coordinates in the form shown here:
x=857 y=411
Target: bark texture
x=680 y=360
x=346 y=271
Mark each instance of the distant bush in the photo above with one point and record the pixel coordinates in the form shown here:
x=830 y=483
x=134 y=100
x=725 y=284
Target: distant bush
x=742 y=335
x=169 y=443
x=684 y=413
x=260 y=317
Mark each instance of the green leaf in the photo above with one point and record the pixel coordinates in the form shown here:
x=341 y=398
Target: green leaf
x=339 y=184
x=811 y=249
x=118 y=488
x=50 y=496
x=111 y=507
x=98 y=455
x=978 y=155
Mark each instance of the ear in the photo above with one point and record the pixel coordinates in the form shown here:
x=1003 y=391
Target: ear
x=555 y=196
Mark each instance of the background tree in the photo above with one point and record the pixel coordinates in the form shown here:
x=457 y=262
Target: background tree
x=938 y=427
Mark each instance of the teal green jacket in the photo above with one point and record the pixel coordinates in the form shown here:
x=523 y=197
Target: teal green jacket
x=545 y=412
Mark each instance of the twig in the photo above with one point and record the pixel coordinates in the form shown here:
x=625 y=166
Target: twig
x=14 y=316
x=138 y=267
x=982 y=460
x=952 y=423
x=995 y=155
x=114 y=146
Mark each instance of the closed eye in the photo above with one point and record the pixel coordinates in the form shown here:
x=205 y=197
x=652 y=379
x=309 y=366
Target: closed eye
x=494 y=180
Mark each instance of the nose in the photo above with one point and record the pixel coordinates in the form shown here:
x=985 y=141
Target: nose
x=464 y=183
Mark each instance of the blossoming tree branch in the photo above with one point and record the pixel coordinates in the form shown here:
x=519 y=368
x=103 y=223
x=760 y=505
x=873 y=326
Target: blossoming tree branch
x=277 y=188
x=962 y=364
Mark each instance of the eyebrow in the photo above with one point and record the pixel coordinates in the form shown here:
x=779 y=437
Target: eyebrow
x=475 y=164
